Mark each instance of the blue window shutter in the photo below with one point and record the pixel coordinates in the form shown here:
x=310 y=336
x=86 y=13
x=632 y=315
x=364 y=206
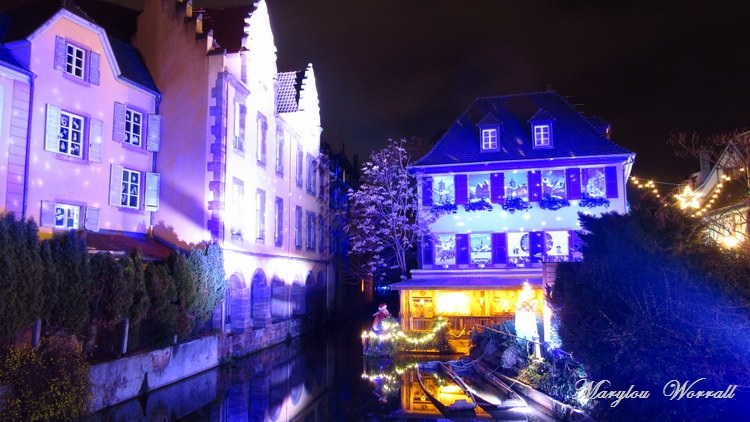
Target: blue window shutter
x=535 y=186
x=95 y=140
x=536 y=246
x=497 y=188
x=427 y=191
x=610 y=177
x=52 y=134
x=462 y=249
x=118 y=124
x=461 y=184
x=573 y=176
x=61 y=47
x=153 y=142
x=427 y=253
x=94 y=72
x=499 y=248
x=575 y=245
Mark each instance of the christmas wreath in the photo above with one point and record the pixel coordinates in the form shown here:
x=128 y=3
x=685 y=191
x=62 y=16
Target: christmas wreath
x=515 y=203
x=481 y=205
x=589 y=201
x=553 y=203
x=445 y=208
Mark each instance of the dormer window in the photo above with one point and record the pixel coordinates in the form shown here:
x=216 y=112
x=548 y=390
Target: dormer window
x=542 y=136
x=489 y=139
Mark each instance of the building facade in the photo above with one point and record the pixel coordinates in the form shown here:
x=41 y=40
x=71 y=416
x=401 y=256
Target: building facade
x=507 y=181
x=243 y=166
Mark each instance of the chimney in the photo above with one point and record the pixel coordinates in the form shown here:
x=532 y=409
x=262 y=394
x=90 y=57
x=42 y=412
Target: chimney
x=705 y=162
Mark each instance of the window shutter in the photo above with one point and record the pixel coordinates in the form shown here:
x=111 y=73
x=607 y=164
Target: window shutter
x=48 y=214
x=115 y=185
x=118 y=123
x=61 y=47
x=497 y=188
x=573 y=176
x=153 y=142
x=51 y=140
x=575 y=245
x=461 y=184
x=95 y=141
x=610 y=178
x=94 y=73
x=426 y=191
x=535 y=186
x=152 y=191
x=279 y=221
x=462 y=249
x=536 y=246
x=92 y=219
x=428 y=253
x=499 y=248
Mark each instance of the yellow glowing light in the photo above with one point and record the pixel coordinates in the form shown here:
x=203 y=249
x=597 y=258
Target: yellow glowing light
x=730 y=241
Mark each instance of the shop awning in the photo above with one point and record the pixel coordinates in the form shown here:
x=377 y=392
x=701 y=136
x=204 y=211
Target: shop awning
x=465 y=283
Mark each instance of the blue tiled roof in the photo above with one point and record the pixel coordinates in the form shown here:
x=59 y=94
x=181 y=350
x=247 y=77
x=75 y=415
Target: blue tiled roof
x=8 y=59
x=131 y=64
x=573 y=134
x=288 y=90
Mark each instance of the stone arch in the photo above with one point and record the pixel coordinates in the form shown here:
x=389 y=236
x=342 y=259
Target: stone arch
x=260 y=299
x=298 y=297
x=238 y=294
x=320 y=291
x=310 y=303
x=280 y=307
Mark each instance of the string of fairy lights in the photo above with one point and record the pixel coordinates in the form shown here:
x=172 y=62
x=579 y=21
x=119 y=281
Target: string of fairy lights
x=686 y=197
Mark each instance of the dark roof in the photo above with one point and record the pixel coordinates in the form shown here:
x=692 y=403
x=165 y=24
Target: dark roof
x=131 y=64
x=573 y=135
x=465 y=283
x=150 y=248
x=227 y=23
x=118 y=21
x=8 y=59
x=288 y=87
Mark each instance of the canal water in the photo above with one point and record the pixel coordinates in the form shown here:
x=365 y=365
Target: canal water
x=317 y=377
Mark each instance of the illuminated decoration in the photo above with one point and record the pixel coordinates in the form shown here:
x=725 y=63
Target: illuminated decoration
x=515 y=204
x=452 y=303
x=526 y=314
x=730 y=241
x=392 y=339
x=688 y=198
x=449 y=208
x=549 y=202
x=648 y=185
x=480 y=205
x=589 y=201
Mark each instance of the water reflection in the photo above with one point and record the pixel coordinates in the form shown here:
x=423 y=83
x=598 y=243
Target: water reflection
x=319 y=377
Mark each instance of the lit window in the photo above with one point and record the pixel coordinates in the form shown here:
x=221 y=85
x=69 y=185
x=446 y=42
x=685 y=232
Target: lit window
x=131 y=189
x=443 y=191
x=133 y=127
x=280 y=151
x=71 y=135
x=593 y=182
x=75 y=60
x=239 y=127
x=489 y=138
x=260 y=215
x=481 y=248
x=541 y=135
x=445 y=249
x=235 y=210
x=67 y=216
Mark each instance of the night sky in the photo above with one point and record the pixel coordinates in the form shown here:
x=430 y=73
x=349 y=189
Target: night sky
x=403 y=68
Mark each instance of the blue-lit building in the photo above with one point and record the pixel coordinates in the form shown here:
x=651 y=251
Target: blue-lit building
x=508 y=180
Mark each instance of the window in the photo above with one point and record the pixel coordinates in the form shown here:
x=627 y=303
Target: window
x=321 y=234
x=260 y=215
x=131 y=189
x=593 y=182
x=262 y=128
x=553 y=183
x=479 y=187
x=310 y=239
x=279 y=150
x=518 y=249
x=76 y=61
x=542 y=135
x=322 y=185
x=445 y=249
x=278 y=234
x=300 y=158
x=67 y=216
x=556 y=248
x=489 y=139
x=481 y=248
x=71 y=134
x=516 y=185
x=235 y=209
x=298 y=227
x=310 y=174
x=443 y=190
x=133 y=127
x=240 y=110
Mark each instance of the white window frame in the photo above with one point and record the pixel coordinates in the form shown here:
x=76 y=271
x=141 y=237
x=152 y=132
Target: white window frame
x=133 y=127
x=75 y=61
x=131 y=189
x=260 y=215
x=262 y=128
x=67 y=131
x=280 y=151
x=542 y=135
x=489 y=139
x=71 y=216
x=278 y=235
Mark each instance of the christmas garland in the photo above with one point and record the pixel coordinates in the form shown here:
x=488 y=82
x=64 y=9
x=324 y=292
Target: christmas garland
x=552 y=203
x=515 y=204
x=445 y=208
x=481 y=205
x=589 y=201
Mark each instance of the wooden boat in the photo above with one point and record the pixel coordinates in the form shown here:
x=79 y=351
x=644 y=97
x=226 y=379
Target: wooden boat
x=449 y=397
x=487 y=390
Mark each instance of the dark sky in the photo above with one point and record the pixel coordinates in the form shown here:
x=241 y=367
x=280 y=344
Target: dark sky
x=401 y=68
